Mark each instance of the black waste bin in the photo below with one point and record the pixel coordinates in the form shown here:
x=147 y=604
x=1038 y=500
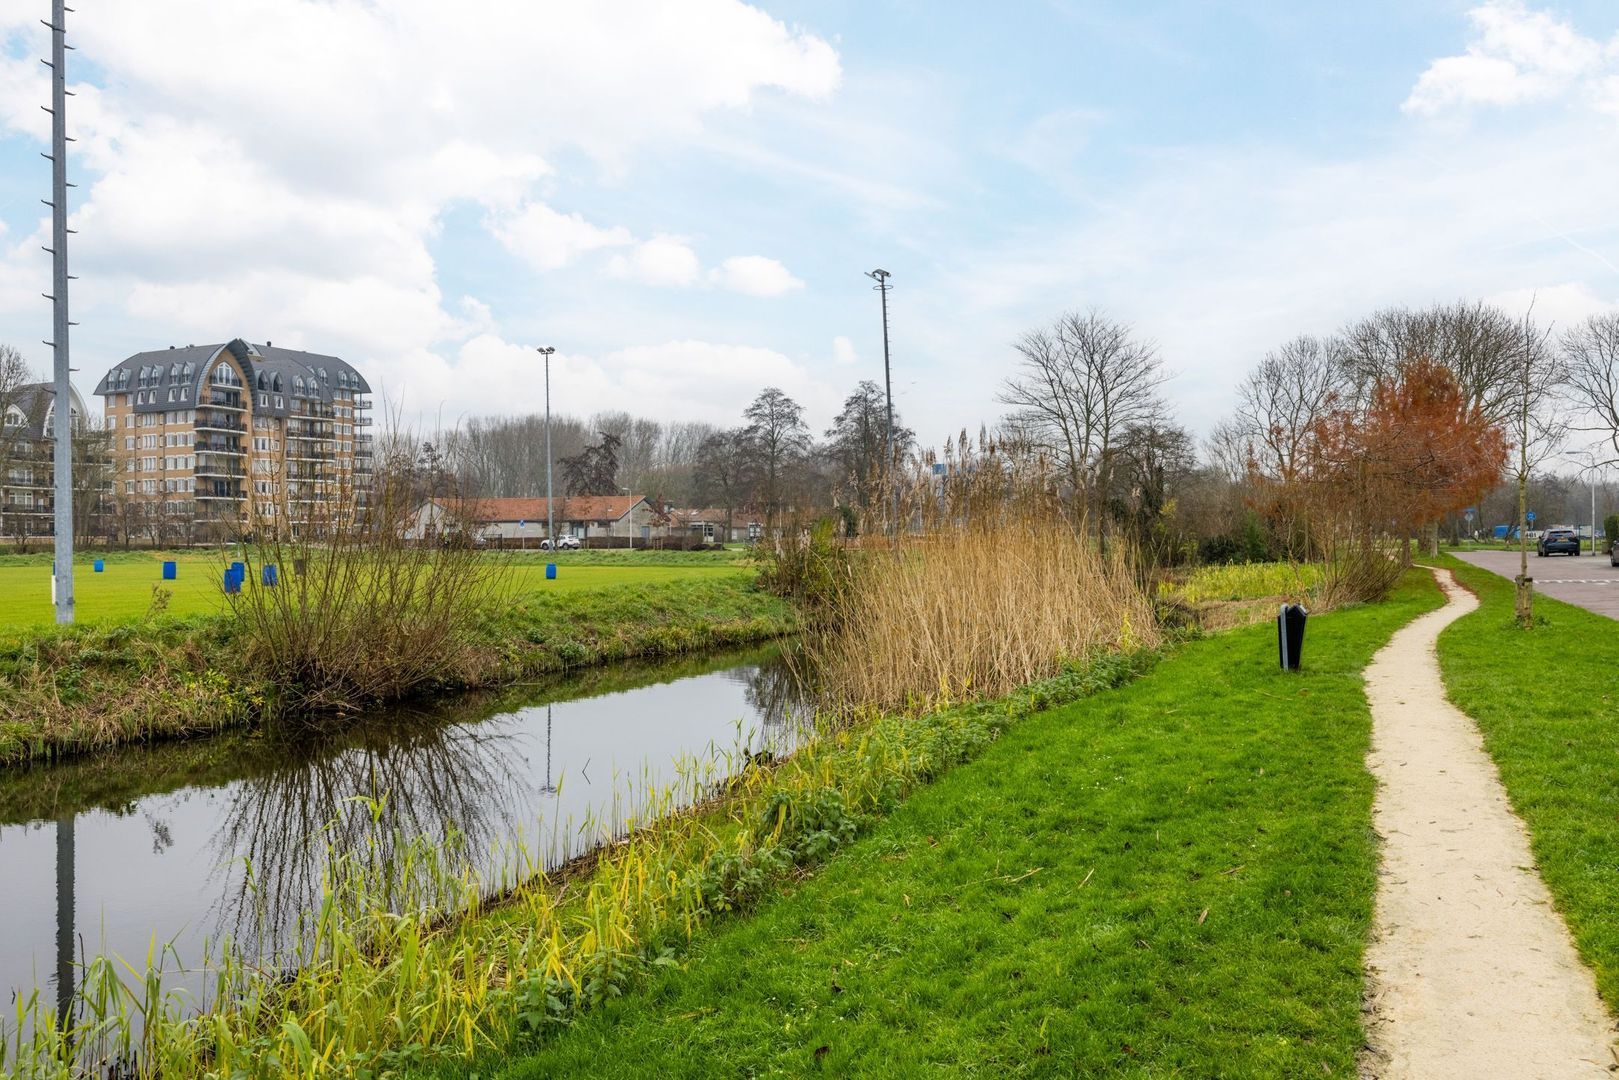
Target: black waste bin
x=1290 y=635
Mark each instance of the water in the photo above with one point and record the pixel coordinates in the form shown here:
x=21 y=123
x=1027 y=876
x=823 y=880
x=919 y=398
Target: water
x=138 y=848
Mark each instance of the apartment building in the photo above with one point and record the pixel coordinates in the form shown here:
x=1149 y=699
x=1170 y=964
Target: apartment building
x=27 y=475
x=238 y=436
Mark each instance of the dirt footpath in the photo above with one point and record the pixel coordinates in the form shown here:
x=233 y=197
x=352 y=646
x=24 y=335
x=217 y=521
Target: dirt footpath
x=1472 y=974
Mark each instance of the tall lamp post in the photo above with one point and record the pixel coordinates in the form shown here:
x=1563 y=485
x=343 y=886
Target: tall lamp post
x=550 y=513
x=881 y=278
x=62 y=417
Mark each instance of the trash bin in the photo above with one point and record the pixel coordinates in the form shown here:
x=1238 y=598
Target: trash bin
x=1290 y=635
x=268 y=576
x=233 y=582
x=100 y=566
x=170 y=571
x=550 y=571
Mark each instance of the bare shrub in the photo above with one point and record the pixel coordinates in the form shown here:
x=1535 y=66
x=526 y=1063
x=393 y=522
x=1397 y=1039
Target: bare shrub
x=989 y=587
x=359 y=613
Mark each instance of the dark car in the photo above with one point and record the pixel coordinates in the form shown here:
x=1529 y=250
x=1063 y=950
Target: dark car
x=1554 y=540
x=1613 y=554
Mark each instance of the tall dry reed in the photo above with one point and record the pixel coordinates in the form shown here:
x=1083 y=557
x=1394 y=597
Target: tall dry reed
x=982 y=584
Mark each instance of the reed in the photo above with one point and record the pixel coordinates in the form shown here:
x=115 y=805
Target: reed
x=983 y=584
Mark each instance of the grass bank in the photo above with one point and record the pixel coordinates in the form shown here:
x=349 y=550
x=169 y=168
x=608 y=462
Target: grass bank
x=122 y=592
x=1171 y=878
x=1547 y=702
x=68 y=690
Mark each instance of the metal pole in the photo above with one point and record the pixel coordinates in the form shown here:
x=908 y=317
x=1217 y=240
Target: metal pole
x=550 y=513
x=881 y=278
x=1593 y=512
x=63 y=415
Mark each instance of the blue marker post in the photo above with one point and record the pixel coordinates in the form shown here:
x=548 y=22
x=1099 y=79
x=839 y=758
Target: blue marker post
x=550 y=571
x=99 y=566
x=170 y=571
x=268 y=576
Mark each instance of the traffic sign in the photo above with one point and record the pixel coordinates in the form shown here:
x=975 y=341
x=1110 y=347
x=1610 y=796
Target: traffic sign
x=1530 y=516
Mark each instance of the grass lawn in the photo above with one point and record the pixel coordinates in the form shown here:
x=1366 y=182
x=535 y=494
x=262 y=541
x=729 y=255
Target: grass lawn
x=1547 y=702
x=1171 y=878
x=124 y=590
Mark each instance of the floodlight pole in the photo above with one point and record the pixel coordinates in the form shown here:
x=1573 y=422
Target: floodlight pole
x=881 y=278
x=62 y=414
x=550 y=514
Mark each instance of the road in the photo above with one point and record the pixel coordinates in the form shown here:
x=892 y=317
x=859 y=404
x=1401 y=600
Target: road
x=1588 y=581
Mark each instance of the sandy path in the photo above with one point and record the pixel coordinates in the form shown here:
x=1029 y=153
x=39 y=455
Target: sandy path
x=1472 y=972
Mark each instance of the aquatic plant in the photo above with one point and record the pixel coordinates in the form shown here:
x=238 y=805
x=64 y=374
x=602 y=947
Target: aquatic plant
x=407 y=957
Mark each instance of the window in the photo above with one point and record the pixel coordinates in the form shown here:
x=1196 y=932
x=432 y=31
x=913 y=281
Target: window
x=275 y=383
x=129 y=487
x=185 y=393
x=264 y=399
x=280 y=402
x=174 y=371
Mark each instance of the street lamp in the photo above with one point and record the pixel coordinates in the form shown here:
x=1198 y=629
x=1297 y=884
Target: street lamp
x=550 y=514
x=881 y=278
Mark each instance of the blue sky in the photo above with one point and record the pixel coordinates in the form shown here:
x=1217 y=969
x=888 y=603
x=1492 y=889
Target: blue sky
x=682 y=198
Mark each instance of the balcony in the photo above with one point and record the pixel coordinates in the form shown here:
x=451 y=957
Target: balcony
x=227 y=470
x=218 y=400
x=218 y=446
x=219 y=422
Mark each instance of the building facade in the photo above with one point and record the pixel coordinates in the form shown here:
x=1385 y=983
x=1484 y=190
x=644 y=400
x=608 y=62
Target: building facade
x=220 y=439
x=585 y=517
x=27 y=471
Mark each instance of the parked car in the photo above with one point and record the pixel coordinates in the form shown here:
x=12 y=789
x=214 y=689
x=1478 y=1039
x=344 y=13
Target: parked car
x=1558 y=539
x=564 y=543
x=1613 y=554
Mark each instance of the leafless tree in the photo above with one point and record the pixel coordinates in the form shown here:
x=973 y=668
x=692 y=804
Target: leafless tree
x=1284 y=397
x=1537 y=427
x=1476 y=341
x=1079 y=385
x=1590 y=355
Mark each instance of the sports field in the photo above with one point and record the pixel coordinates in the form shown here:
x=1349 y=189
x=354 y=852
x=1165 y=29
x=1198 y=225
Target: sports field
x=124 y=589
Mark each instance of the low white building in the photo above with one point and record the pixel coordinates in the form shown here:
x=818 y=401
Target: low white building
x=627 y=517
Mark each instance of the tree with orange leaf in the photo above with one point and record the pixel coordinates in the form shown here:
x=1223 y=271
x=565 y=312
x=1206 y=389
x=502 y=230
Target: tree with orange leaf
x=1418 y=449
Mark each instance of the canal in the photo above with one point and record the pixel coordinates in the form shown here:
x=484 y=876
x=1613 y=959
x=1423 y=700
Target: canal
x=170 y=850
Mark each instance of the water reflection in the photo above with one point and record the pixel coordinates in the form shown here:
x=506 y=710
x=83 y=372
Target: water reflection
x=231 y=837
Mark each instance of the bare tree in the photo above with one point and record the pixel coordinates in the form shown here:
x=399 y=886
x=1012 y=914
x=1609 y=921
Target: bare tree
x=1284 y=397
x=1537 y=429
x=1590 y=353
x=778 y=440
x=1477 y=342
x=1079 y=385
x=723 y=472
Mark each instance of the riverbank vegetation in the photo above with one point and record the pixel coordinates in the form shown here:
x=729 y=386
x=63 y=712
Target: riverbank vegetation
x=1172 y=877
x=1546 y=705
x=993 y=584
x=380 y=989
x=80 y=688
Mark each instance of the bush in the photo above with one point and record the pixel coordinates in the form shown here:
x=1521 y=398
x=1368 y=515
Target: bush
x=1610 y=527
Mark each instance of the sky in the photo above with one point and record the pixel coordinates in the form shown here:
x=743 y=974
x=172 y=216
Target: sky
x=683 y=198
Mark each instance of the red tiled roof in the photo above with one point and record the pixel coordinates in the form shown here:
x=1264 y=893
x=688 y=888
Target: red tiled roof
x=573 y=508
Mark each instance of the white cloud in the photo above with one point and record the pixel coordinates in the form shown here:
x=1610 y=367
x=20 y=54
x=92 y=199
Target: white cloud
x=1516 y=55
x=754 y=275
x=843 y=352
x=298 y=190
x=688 y=380
x=548 y=240
x=662 y=260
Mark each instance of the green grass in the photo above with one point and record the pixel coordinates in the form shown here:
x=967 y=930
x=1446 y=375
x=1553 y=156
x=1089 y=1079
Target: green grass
x=67 y=690
x=1547 y=702
x=1170 y=878
x=123 y=592
x=1243 y=581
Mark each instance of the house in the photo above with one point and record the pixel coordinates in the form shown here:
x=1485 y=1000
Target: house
x=715 y=526
x=589 y=517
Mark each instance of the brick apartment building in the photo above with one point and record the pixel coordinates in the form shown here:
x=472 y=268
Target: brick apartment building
x=238 y=436
x=27 y=474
